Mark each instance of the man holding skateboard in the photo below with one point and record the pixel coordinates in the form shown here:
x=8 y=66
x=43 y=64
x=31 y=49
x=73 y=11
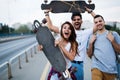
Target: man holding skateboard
x=82 y=36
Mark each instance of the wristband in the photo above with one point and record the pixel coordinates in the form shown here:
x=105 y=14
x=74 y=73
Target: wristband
x=47 y=14
x=90 y=11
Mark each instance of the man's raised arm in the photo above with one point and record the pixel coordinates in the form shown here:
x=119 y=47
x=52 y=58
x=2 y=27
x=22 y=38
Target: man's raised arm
x=90 y=11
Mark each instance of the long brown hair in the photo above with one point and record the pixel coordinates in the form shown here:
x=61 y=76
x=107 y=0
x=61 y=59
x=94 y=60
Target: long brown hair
x=72 y=38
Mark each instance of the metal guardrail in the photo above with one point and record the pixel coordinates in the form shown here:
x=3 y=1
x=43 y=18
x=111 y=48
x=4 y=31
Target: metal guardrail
x=9 y=62
x=10 y=38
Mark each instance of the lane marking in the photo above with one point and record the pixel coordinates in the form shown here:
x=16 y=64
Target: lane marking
x=45 y=71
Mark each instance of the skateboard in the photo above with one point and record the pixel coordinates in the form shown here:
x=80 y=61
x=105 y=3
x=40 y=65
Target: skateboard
x=54 y=55
x=67 y=6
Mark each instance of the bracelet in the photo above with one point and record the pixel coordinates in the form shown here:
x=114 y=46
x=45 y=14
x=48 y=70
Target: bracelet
x=46 y=14
x=90 y=11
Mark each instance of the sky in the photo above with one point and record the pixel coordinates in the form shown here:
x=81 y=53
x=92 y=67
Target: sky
x=24 y=11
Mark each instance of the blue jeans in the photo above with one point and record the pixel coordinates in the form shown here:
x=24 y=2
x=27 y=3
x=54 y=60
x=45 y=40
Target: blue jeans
x=80 y=72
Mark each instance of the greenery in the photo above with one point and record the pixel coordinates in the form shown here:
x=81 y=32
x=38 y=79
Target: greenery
x=5 y=29
x=23 y=29
x=113 y=28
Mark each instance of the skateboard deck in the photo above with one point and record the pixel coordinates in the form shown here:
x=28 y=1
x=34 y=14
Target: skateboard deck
x=67 y=6
x=53 y=54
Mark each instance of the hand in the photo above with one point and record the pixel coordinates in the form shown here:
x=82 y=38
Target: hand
x=110 y=36
x=88 y=10
x=93 y=38
x=40 y=47
x=58 y=42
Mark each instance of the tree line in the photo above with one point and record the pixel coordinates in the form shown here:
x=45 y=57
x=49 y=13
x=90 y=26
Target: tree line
x=6 y=29
x=113 y=28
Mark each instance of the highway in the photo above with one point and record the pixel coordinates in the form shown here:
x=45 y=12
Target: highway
x=11 y=48
x=37 y=67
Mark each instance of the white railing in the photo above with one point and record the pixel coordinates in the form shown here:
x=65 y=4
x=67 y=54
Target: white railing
x=9 y=62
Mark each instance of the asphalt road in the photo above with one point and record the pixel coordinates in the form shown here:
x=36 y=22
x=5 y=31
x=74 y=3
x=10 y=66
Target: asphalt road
x=37 y=69
x=38 y=66
x=11 y=48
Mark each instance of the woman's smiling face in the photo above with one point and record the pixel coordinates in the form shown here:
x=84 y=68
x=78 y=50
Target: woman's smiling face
x=66 y=31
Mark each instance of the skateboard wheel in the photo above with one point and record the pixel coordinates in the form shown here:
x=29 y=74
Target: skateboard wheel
x=35 y=26
x=45 y=1
x=34 y=29
x=89 y=1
